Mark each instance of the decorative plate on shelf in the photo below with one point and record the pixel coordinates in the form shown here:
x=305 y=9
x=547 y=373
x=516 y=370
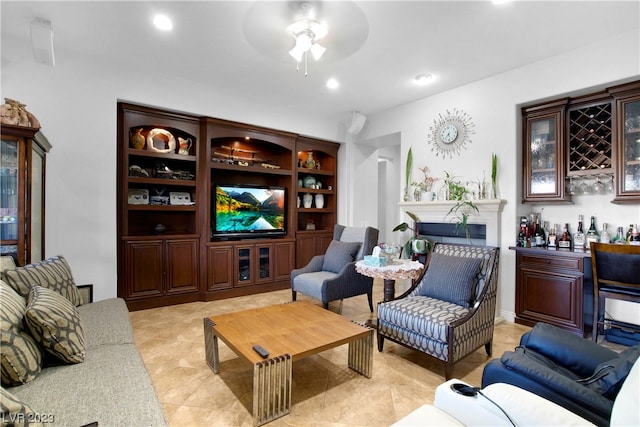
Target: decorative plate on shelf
x=449 y=133
x=161 y=141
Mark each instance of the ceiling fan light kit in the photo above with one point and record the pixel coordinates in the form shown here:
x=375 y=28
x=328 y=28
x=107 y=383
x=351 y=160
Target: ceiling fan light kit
x=306 y=32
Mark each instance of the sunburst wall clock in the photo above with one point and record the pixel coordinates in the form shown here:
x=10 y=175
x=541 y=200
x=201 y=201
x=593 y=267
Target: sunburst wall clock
x=450 y=133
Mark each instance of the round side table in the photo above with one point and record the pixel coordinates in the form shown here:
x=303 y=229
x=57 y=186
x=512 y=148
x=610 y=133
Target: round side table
x=394 y=270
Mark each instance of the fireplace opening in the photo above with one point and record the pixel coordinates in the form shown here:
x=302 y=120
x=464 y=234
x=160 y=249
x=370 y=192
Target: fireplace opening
x=446 y=232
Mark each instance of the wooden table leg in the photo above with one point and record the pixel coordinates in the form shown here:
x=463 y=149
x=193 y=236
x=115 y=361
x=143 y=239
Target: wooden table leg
x=389 y=289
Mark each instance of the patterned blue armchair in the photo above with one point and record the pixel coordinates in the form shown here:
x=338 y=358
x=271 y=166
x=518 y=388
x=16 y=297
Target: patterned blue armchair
x=450 y=310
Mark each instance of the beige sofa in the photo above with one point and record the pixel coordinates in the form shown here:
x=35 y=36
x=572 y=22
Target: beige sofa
x=110 y=387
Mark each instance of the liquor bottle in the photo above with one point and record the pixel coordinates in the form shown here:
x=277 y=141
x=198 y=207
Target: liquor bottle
x=628 y=236
x=538 y=235
x=546 y=231
x=635 y=236
x=552 y=241
x=592 y=233
x=565 y=239
x=578 y=237
x=522 y=236
x=605 y=237
x=620 y=238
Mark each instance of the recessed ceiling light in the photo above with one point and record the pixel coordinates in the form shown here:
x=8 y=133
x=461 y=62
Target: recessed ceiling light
x=423 y=79
x=162 y=22
x=332 y=83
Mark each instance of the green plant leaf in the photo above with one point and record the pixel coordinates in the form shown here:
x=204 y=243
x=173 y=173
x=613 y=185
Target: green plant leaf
x=413 y=217
x=408 y=167
x=401 y=227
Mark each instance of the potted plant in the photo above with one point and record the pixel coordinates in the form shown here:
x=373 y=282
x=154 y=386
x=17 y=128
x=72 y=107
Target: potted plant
x=463 y=207
x=408 y=246
x=424 y=188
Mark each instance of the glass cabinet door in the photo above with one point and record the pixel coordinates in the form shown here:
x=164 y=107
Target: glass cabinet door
x=628 y=180
x=543 y=156
x=9 y=198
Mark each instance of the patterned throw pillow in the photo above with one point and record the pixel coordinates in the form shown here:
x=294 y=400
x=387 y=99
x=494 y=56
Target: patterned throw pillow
x=451 y=278
x=53 y=273
x=339 y=254
x=14 y=412
x=20 y=356
x=55 y=324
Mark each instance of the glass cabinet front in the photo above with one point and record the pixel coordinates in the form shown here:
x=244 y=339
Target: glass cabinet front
x=9 y=198
x=629 y=146
x=543 y=164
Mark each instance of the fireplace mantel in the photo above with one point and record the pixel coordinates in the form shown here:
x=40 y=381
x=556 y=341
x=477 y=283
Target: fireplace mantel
x=489 y=213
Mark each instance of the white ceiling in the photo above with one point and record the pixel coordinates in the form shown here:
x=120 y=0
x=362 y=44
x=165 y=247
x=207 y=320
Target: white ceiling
x=374 y=48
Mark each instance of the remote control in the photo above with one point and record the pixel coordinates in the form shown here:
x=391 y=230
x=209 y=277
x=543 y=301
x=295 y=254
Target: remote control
x=261 y=351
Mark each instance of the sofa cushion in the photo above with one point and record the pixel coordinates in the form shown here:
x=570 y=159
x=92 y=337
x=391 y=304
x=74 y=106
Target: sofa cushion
x=421 y=315
x=17 y=413
x=53 y=273
x=20 y=356
x=451 y=278
x=339 y=254
x=609 y=376
x=111 y=387
x=55 y=323
x=106 y=322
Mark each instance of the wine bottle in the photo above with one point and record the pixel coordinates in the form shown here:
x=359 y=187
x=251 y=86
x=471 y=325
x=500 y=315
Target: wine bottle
x=552 y=241
x=592 y=233
x=578 y=237
x=565 y=239
x=635 y=236
x=538 y=234
x=620 y=238
x=605 y=237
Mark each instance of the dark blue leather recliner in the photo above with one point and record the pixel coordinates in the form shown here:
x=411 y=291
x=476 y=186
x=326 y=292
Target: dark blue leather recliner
x=564 y=368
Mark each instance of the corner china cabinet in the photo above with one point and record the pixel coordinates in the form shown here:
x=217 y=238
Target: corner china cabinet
x=23 y=153
x=170 y=167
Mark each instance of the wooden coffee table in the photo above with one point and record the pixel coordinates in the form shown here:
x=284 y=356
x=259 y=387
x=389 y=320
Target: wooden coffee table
x=288 y=332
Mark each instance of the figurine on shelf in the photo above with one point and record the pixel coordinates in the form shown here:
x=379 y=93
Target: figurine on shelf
x=15 y=113
x=318 y=164
x=310 y=163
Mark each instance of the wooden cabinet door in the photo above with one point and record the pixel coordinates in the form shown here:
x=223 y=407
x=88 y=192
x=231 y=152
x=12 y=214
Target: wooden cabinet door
x=305 y=249
x=144 y=268
x=181 y=265
x=284 y=260
x=220 y=268
x=551 y=297
x=263 y=263
x=243 y=265
x=543 y=153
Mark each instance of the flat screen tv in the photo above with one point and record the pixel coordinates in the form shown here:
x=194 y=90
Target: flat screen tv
x=244 y=211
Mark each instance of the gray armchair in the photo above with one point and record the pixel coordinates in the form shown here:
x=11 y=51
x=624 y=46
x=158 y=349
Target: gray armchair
x=333 y=276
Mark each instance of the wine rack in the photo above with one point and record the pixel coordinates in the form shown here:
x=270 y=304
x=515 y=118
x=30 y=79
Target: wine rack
x=590 y=140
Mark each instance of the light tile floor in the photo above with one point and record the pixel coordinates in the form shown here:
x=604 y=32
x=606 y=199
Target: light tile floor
x=325 y=391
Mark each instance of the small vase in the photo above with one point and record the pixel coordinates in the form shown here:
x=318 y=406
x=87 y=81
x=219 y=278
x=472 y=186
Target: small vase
x=427 y=196
x=405 y=197
x=137 y=140
x=319 y=201
x=307 y=200
x=298 y=202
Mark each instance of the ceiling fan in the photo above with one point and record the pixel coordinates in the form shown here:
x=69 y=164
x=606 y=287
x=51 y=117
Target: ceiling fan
x=287 y=29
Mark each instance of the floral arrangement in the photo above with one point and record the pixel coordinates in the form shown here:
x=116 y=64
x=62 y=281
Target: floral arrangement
x=426 y=184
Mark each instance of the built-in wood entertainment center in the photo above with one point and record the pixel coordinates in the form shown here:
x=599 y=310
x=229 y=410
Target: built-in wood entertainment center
x=171 y=249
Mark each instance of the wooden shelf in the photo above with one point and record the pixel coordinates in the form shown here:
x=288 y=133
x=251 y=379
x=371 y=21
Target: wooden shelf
x=162 y=181
x=252 y=169
x=163 y=156
x=163 y=208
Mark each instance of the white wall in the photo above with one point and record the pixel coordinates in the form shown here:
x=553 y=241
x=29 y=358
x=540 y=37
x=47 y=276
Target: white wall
x=494 y=106
x=76 y=105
